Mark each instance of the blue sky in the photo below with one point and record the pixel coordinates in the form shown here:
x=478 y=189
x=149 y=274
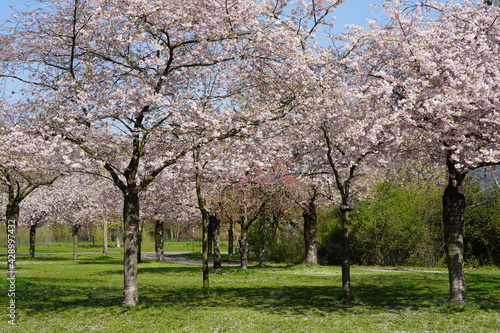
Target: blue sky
x=350 y=12
x=357 y=12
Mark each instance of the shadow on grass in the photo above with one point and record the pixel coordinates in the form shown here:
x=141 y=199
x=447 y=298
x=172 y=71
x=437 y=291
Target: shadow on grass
x=388 y=292
x=100 y=261
x=479 y=290
x=44 y=258
x=425 y=290
x=198 y=256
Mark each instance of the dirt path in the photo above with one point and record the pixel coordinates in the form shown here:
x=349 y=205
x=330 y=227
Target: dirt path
x=173 y=257
x=397 y=270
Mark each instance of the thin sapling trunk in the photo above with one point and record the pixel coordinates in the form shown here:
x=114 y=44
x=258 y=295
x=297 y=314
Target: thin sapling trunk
x=76 y=230
x=262 y=238
x=33 y=239
x=230 y=242
x=105 y=239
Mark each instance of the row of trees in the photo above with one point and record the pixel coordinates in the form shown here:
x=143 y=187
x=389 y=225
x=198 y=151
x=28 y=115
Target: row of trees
x=234 y=97
x=397 y=224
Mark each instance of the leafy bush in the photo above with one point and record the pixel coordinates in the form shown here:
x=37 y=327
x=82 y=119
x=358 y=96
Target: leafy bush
x=400 y=226
x=285 y=244
x=482 y=225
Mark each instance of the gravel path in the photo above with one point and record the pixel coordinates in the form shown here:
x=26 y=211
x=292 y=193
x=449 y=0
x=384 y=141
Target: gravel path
x=398 y=270
x=173 y=257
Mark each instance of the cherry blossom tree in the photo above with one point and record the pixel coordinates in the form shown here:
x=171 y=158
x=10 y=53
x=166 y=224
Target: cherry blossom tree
x=342 y=120
x=123 y=82
x=248 y=187
x=440 y=60
x=75 y=200
x=36 y=210
x=169 y=199
x=306 y=191
x=213 y=167
x=27 y=162
x=340 y=132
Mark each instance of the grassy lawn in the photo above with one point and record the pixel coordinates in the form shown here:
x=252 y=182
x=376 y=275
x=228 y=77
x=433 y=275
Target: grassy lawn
x=56 y=294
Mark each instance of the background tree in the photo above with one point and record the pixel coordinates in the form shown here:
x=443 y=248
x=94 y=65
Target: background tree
x=168 y=200
x=36 y=213
x=26 y=163
x=482 y=223
x=346 y=125
x=78 y=200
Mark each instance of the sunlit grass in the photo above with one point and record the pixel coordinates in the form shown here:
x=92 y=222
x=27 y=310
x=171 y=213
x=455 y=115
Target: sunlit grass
x=56 y=294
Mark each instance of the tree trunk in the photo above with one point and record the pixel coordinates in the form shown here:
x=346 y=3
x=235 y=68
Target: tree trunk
x=105 y=239
x=346 y=257
x=11 y=218
x=204 y=242
x=310 y=232
x=215 y=221
x=453 y=222
x=170 y=231
x=275 y=226
x=210 y=236
x=230 y=241
x=202 y=205
x=244 y=246
x=76 y=230
x=262 y=237
x=139 y=244
x=33 y=239
x=118 y=237
x=159 y=240
x=130 y=246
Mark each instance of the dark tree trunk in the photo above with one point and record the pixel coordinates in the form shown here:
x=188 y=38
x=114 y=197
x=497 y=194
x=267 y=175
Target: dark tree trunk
x=159 y=240
x=310 y=232
x=76 y=230
x=244 y=246
x=262 y=237
x=230 y=242
x=210 y=235
x=33 y=239
x=346 y=257
x=202 y=206
x=453 y=222
x=215 y=221
x=11 y=218
x=204 y=255
x=105 y=239
x=130 y=246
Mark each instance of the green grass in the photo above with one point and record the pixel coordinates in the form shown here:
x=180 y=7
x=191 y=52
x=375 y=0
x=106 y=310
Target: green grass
x=57 y=294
